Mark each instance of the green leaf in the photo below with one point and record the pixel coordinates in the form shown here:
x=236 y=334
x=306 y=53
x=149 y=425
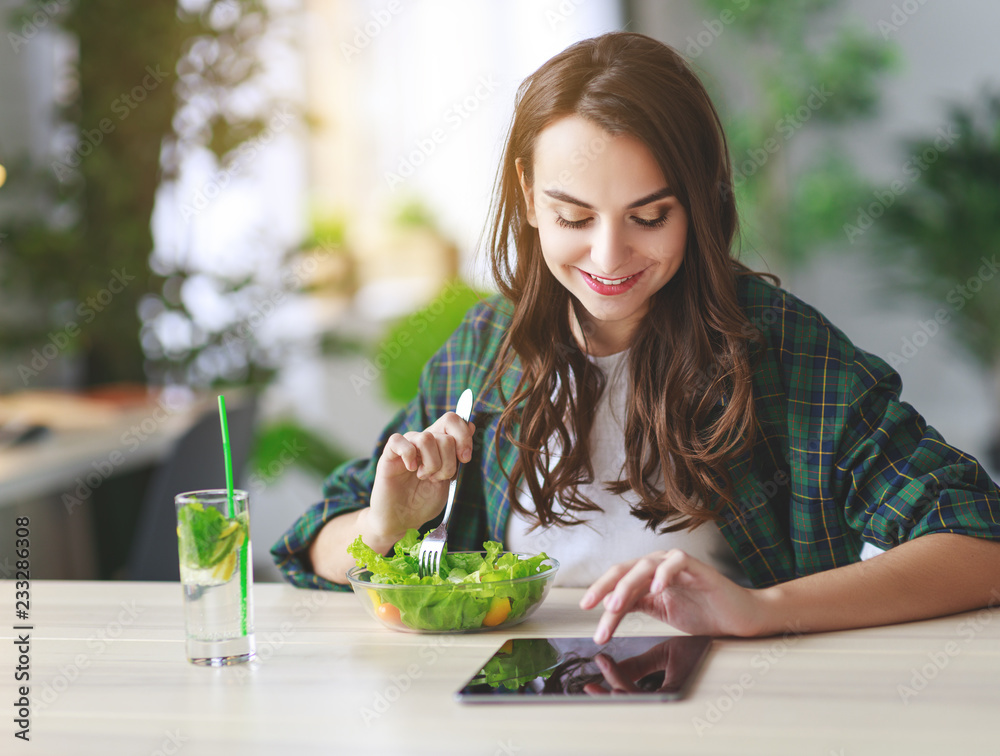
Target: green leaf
x=457 y=609
x=201 y=542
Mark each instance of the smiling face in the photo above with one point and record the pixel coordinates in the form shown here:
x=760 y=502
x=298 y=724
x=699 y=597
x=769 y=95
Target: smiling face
x=610 y=228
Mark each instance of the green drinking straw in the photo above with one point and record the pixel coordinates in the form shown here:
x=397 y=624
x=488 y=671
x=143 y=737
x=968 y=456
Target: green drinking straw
x=231 y=509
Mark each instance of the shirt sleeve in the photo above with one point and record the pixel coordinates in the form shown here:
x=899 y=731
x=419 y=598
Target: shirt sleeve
x=898 y=478
x=865 y=464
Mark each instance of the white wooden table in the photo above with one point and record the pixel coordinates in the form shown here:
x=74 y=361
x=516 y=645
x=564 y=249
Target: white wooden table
x=109 y=676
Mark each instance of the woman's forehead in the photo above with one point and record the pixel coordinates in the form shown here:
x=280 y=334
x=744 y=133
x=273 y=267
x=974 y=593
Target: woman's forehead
x=578 y=157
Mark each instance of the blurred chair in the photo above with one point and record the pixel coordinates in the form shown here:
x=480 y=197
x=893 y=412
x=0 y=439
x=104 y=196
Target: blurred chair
x=195 y=463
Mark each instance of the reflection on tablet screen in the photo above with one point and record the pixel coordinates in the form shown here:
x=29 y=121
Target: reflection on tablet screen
x=561 y=669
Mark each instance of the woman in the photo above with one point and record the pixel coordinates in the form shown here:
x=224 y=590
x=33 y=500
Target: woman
x=740 y=450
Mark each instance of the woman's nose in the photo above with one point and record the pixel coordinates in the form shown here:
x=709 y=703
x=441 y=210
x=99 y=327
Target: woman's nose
x=609 y=252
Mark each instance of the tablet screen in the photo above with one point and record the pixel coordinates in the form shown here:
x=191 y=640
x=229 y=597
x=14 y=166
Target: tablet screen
x=564 y=669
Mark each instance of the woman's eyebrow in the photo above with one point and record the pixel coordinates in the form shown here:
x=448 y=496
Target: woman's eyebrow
x=563 y=197
x=657 y=195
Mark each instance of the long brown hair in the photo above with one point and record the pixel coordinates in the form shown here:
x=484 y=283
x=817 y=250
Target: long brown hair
x=691 y=351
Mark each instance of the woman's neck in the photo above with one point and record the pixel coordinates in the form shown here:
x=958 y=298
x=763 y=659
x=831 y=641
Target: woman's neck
x=602 y=339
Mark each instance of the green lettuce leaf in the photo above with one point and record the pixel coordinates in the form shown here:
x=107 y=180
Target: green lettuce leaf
x=526 y=660
x=446 y=610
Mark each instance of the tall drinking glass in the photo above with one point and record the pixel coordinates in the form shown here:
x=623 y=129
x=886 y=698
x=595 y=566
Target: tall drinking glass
x=213 y=543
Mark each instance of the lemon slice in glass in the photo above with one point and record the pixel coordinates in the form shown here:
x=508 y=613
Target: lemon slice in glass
x=224 y=569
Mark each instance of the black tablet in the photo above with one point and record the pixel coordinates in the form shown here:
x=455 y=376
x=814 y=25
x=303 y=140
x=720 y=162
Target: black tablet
x=577 y=669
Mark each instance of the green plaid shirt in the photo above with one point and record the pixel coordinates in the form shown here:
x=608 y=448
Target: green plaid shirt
x=838 y=459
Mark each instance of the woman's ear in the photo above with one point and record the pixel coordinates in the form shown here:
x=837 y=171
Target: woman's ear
x=529 y=195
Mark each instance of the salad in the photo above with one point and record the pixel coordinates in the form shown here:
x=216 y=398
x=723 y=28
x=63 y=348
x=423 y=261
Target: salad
x=475 y=589
x=517 y=662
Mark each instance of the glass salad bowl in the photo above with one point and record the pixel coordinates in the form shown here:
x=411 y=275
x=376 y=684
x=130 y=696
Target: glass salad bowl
x=475 y=601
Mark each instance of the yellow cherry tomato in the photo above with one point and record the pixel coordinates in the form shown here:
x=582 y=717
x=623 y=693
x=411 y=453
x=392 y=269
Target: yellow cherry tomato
x=389 y=614
x=373 y=595
x=498 y=612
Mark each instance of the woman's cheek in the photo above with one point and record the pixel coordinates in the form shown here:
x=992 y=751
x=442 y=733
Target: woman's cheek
x=560 y=246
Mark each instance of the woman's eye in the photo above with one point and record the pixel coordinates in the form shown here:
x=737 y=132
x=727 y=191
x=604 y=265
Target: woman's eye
x=644 y=222
x=571 y=223
x=651 y=223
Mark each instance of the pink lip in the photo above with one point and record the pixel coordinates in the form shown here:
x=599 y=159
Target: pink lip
x=611 y=291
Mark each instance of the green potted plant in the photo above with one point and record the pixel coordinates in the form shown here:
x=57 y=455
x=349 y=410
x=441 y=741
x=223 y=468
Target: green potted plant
x=74 y=262
x=76 y=246
x=799 y=72
x=944 y=232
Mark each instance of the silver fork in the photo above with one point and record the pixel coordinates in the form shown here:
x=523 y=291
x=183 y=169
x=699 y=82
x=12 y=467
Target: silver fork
x=429 y=557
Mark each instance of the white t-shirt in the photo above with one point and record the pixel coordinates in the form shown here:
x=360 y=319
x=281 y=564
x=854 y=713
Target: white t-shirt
x=613 y=535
